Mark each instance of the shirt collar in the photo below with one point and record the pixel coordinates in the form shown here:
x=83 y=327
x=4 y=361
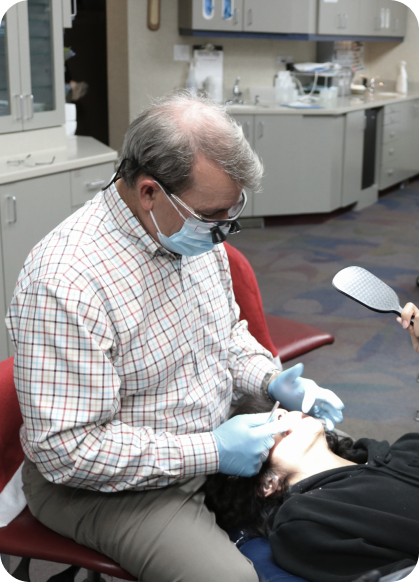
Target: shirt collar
x=130 y=225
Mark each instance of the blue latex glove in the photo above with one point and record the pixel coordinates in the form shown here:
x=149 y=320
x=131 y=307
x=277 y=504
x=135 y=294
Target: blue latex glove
x=296 y=393
x=244 y=441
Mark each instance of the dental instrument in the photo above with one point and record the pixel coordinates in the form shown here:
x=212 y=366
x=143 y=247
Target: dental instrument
x=271 y=416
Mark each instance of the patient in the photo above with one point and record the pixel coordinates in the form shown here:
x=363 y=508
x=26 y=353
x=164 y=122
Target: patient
x=332 y=509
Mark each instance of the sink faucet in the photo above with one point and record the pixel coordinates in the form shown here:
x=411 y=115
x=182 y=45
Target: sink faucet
x=235 y=99
x=373 y=85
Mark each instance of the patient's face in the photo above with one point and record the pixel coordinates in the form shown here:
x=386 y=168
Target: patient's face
x=291 y=448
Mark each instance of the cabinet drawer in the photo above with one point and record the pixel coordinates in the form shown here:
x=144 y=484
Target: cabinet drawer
x=395 y=108
x=391 y=118
x=390 y=153
x=390 y=133
x=86 y=182
x=390 y=175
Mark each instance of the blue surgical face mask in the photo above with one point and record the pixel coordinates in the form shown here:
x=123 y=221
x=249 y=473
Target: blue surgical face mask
x=193 y=239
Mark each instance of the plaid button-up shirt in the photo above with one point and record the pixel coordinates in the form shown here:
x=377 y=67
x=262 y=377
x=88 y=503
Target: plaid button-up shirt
x=126 y=354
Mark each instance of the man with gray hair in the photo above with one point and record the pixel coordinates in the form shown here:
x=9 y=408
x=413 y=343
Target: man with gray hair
x=129 y=351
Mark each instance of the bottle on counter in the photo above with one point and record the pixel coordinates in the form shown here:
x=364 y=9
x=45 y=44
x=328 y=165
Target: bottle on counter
x=401 y=85
x=191 y=80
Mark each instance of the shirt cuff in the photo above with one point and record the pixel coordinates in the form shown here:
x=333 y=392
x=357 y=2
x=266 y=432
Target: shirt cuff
x=255 y=373
x=199 y=452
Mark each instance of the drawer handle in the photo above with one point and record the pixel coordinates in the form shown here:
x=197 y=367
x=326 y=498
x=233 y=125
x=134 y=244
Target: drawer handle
x=19 y=106
x=261 y=128
x=390 y=172
x=246 y=131
x=236 y=16
x=94 y=185
x=392 y=133
x=14 y=218
x=250 y=17
x=391 y=151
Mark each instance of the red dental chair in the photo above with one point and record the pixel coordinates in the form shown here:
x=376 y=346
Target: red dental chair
x=284 y=337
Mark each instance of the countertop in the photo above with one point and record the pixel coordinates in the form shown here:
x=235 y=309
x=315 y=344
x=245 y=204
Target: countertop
x=70 y=153
x=342 y=105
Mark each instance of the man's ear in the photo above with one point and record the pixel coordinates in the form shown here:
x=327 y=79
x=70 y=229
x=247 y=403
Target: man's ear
x=146 y=190
x=268 y=485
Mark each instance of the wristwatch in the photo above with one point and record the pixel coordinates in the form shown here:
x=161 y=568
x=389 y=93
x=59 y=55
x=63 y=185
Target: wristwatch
x=266 y=381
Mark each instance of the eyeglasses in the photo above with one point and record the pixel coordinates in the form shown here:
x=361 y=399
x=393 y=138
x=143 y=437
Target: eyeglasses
x=218 y=235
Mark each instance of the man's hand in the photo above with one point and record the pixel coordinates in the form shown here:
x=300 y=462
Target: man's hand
x=244 y=441
x=296 y=393
x=409 y=311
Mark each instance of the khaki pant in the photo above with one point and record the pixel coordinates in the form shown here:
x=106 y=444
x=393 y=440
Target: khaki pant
x=166 y=535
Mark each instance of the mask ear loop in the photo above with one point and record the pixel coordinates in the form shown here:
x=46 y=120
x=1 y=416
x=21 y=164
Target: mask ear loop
x=174 y=206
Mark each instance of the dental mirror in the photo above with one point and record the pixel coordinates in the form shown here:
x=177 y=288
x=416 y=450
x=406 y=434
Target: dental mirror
x=368 y=290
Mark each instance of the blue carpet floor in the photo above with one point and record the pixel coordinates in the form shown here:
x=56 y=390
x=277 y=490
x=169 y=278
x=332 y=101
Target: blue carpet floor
x=372 y=365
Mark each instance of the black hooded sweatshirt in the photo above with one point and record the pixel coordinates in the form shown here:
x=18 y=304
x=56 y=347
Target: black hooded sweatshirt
x=341 y=523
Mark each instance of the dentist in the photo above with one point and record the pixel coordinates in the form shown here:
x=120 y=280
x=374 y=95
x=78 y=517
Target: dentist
x=129 y=353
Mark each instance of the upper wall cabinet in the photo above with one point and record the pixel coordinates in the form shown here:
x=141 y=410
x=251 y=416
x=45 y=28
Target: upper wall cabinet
x=283 y=16
x=368 y=18
x=341 y=17
x=222 y=15
x=32 y=66
x=261 y=16
x=309 y=19
x=383 y=18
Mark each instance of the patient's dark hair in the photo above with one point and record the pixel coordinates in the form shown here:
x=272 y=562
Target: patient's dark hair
x=234 y=500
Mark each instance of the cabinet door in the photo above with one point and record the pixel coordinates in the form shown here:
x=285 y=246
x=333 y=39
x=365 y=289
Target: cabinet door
x=320 y=168
x=29 y=210
x=42 y=63
x=217 y=15
x=382 y=18
x=414 y=136
x=353 y=157
x=398 y=18
x=280 y=16
x=341 y=17
x=247 y=122
x=278 y=141
x=11 y=99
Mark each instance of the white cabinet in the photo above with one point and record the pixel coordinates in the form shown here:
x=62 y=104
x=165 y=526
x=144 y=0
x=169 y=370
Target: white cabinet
x=383 y=18
x=32 y=66
x=320 y=162
x=86 y=182
x=222 y=15
x=302 y=155
x=30 y=209
x=353 y=157
x=351 y=18
x=341 y=17
x=413 y=153
x=277 y=142
x=280 y=16
x=393 y=146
